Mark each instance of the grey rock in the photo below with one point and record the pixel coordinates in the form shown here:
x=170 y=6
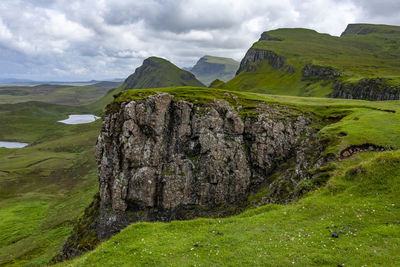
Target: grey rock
x=160 y=156
x=254 y=57
x=374 y=89
x=314 y=72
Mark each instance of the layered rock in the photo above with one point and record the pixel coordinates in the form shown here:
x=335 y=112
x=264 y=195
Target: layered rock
x=314 y=72
x=368 y=89
x=254 y=57
x=164 y=157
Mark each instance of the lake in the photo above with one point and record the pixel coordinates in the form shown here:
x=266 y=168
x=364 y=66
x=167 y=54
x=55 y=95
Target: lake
x=12 y=144
x=80 y=119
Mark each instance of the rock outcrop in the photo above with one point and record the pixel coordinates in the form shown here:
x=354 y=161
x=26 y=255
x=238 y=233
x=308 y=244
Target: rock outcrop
x=162 y=159
x=314 y=72
x=254 y=57
x=368 y=89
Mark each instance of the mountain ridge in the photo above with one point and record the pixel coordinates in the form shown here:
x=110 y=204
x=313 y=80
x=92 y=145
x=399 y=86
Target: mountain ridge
x=277 y=62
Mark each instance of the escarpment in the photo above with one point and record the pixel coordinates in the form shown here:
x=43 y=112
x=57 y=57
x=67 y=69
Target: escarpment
x=254 y=57
x=368 y=89
x=161 y=159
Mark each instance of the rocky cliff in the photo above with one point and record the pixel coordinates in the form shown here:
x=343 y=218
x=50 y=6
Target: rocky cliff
x=315 y=73
x=162 y=158
x=254 y=57
x=368 y=89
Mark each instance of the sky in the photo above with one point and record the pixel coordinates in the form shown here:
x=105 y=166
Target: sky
x=65 y=40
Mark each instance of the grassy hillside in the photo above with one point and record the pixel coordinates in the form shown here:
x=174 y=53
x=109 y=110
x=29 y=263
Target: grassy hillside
x=374 y=53
x=209 y=68
x=46 y=185
x=56 y=94
x=360 y=202
x=158 y=72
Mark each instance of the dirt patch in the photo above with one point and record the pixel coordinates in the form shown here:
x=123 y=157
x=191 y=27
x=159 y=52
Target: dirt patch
x=355 y=149
x=335 y=119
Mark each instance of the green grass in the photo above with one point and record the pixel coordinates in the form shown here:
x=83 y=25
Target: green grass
x=364 y=209
x=45 y=186
x=354 y=56
x=56 y=94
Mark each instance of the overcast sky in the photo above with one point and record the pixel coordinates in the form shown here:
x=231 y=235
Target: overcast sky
x=103 y=39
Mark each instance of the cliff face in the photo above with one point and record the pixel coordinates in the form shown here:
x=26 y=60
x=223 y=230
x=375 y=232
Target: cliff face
x=162 y=159
x=254 y=57
x=314 y=72
x=367 y=89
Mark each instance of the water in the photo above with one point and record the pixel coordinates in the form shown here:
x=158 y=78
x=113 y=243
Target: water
x=80 y=119
x=12 y=144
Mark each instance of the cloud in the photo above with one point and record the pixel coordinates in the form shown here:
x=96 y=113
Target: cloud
x=101 y=39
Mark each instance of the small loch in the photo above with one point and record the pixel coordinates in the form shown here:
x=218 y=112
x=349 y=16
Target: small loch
x=80 y=119
x=12 y=144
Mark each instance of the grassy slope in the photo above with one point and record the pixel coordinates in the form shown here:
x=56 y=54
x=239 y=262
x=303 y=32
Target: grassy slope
x=46 y=185
x=56 y=94
x=361 y=202
x=355 y=56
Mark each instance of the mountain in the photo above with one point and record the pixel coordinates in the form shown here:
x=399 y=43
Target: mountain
x=209 y=68
x=362 y=63
x=157 y=72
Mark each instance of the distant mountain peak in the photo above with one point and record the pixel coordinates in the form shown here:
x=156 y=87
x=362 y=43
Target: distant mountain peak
x=158 y=72
x=208 y=68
